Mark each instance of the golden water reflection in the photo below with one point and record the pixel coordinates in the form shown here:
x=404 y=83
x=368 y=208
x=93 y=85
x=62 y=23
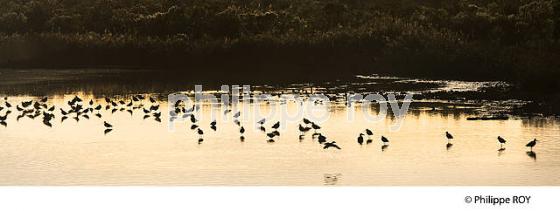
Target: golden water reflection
x=142 y=151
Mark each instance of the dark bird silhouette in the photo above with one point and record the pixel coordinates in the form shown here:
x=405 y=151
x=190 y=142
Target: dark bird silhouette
x=271 y=135
x=502 y=141
x=532 y=144
x=322 y=139
x=369 y=132
x=303 y=129
x=306 y=121
x=193 y=119
x=242 y=130
x=200 y=132
x=276 y=126
x=107 y=125
x=200 y=140
x=384 y=140
x=108 y=130
x=26 y=104
x=154 y=107
x=263 y=129
x=448 y=135
x=5 y=124
x=152 y=100
x=8 y=105
x=331 y=144
x=315 y=127
x=361 y=139
x=194 y=127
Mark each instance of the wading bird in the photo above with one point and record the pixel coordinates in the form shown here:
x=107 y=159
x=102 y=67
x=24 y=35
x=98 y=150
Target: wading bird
x=384 y=140
x=448 y=136
x=200 y=132
x=369 y=132
x=502 y=141
x=532 y=144
x=331 y=144
x=322 y=139
x=107 y=125
x=276 y=126
x=361 y=139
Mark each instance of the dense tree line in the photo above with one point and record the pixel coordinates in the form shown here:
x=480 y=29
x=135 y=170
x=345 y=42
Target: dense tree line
x=517 y=39
x=509 y=21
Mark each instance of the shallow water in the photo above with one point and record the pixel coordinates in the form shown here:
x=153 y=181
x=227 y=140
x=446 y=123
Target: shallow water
x=146 y=152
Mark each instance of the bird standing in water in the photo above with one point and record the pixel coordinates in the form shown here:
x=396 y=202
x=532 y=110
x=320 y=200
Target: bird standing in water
x=502 y=142
x=107 y=125
x=448 y=136
x=331 y=144
x=384 y=140
x=369 y=132
x=200 y=132
x=361 y=139
x=242 y=131
x=276 y=126
x=531 y=144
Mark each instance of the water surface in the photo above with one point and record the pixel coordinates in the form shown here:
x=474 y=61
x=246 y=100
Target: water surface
x=145 y=152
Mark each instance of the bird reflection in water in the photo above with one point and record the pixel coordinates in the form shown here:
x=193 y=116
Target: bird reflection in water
x=501 y=151
x=532 y=155
x=331 y=179
x=448 y=146
x=384 y=147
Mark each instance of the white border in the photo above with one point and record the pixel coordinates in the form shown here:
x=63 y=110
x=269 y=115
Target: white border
x=269 y=198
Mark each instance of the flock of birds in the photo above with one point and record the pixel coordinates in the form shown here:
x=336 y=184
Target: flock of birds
x=79 y=109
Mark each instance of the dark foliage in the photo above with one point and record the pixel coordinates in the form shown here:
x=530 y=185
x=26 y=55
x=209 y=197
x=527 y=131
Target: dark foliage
x=515 y=40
